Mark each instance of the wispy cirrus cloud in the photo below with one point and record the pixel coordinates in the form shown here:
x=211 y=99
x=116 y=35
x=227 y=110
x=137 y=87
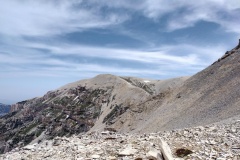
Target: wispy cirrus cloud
x=48 y=18
x=186 y=13
x=161 y=61
x=118 y=53
x=210 y=14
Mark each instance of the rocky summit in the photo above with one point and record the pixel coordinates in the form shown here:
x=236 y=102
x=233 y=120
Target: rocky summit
x=132 y=108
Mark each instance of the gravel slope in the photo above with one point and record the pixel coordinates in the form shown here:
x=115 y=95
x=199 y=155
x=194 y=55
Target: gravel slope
x=202 y=142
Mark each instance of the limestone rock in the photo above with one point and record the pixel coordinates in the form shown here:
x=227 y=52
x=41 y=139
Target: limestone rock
x=155 y=155
x=95 y=156
x=127 y=152
x=112 y=158
x=165 y=149
x=30 y=147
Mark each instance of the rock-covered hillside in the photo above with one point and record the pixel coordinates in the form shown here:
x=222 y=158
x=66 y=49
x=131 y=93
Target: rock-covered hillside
x=4 y=109
x=127 y=104
x=215 y=141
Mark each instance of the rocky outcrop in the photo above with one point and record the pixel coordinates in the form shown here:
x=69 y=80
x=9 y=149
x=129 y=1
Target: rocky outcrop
x=16 y=107
x=229 y=53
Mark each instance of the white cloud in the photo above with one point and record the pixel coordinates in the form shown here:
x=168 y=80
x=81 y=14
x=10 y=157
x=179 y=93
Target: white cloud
x=156 y=56
x=193 y=59
x=186 y=13
x=46 y=18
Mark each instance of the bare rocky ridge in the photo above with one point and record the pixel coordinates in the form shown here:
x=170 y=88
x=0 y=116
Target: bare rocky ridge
x=127 y=105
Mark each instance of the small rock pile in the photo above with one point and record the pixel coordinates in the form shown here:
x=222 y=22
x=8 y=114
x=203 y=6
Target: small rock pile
x=216 y=141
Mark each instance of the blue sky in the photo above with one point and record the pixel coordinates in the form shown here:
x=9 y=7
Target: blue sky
x=45 y=44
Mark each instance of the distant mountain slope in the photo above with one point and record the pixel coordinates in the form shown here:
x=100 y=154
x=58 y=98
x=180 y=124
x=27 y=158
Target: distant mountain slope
x=4 y=109
x=127 y=104
x=94 y=104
